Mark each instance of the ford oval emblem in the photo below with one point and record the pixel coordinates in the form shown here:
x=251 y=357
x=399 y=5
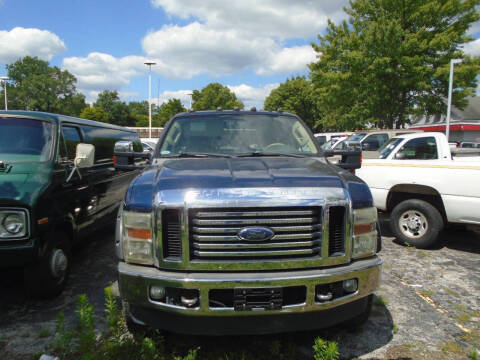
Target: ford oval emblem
x=256 y=233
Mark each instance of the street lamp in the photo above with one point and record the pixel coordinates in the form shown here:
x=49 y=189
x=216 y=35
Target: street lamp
x=450 y=85
x=4 y=79
x=191 y=97
x=149 y=64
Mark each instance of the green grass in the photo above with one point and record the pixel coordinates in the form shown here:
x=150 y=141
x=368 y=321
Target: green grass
x=325 y=350
x=426 y=293
x=452 y=292
x=394 y=328
x=380 y=301
x=473 y=354
x=44 y=333
x=452 y=347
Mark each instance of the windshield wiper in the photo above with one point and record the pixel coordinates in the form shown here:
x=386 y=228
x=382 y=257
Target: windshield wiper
x=186 y=154
x=260 y=154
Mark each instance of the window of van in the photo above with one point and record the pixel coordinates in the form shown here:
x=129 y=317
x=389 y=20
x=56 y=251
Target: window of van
x=70 y=139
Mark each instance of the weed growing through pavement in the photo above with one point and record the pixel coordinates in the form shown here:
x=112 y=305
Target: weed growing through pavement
x=473 y=354
x=394 y=328
x=380 y=301
x=43 y=333
x=325 y=350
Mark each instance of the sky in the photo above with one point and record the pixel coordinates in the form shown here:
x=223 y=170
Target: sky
x=251 y=46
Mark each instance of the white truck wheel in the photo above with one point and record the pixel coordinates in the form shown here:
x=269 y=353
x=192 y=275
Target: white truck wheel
x=416 y=222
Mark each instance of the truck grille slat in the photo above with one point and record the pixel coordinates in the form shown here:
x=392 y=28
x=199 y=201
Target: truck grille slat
x=269 y=221
x=256 y=254
x=244 y=246
x=277 y=229
x=297 y=233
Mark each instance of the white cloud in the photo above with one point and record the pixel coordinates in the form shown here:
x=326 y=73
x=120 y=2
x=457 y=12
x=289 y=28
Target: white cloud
x=182 y=95
x=277 y=18
x=20 y=42
x=194 y=49
x=251 y=96
x=288 y=60
x=100 y=71
x=472 y=48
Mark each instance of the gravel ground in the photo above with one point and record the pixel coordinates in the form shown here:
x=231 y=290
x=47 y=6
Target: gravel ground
x=427 y=306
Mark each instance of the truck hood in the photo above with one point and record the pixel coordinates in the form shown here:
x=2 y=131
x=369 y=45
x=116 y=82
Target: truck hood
x=228 y=173
x=246 y=172
x=21 y=183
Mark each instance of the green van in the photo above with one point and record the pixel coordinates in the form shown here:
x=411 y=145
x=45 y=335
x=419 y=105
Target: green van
x=58 y=185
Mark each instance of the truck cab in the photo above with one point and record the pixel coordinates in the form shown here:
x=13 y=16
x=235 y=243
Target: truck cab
x=239 y=225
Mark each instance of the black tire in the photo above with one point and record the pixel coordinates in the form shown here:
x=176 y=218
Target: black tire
x=416 y=222
x=48 y=275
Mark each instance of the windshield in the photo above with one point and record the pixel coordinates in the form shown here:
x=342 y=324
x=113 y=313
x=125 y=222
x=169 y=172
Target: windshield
x=237 y=135
x=357 y=137
x=388 y=147
x=25 y=140
x=328 y=145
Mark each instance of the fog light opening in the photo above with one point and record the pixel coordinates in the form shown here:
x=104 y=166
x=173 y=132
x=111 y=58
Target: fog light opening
x=189 y=301
x=157 y=292
x=350 y=285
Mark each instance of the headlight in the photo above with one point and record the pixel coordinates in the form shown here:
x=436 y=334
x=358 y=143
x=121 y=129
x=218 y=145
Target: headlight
x=364 y=232
x=13 y=224
x=137 y=237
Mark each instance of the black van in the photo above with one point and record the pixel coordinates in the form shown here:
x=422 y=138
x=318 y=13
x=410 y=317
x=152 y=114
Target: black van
x=57 y=185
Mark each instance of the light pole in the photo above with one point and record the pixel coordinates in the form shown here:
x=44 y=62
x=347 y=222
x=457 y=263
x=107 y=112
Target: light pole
x=191 y=97
x=4 y=79
x=149 y=64
x=450 y=86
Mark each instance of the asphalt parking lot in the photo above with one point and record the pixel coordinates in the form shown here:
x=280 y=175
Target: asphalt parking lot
x=427 y=306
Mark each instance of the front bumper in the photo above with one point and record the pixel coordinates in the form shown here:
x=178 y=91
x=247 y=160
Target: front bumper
x=135 y=282
x=17 y=254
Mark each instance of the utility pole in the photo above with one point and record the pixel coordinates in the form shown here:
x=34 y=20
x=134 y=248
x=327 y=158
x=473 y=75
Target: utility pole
x=149 y=64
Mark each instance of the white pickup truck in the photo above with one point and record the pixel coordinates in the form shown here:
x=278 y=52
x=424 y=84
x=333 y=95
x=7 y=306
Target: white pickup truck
x=423 y=187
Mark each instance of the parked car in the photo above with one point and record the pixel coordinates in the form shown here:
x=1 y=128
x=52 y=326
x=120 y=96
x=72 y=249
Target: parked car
x=373 y=140
x=240 y=226
x=57 y=186
x=322 y=138
x=423 y=187
x=469 y=144
x=148 y=146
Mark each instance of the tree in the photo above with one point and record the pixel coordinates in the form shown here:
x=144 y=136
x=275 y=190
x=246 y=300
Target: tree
x=34 y=85
x=169 y=109
x=117 y=111
x=295 y=95
x=94 y=113
x=214 y=95
x=392 y=60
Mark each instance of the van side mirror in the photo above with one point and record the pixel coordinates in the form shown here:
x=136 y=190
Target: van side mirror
x=128 y=155
x=84 y=157
x=400 y=155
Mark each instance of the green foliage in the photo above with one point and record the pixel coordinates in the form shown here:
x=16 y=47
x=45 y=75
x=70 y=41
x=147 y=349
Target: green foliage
x=86 y=329
x=325 y=350
x=214 y=95
x=192 y=355
x=114 y=316
x=35 y=85
x=391 y=60
x=296 y=95
x=117 y=111
x=169 y=109
x=63 y=341
x=94 y=113
x=381 y=301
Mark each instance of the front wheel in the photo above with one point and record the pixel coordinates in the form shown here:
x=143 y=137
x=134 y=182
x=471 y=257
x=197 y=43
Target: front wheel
x=416 y=222
x=48 y=276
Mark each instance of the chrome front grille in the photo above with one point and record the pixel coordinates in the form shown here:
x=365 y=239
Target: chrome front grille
x=214 y=233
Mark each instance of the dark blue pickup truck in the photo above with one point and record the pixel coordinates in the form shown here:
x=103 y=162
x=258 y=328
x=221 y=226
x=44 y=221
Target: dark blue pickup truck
x=240 y=225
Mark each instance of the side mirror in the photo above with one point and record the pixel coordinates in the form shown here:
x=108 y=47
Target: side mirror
x=84 y=157
x=128 y=155
x=351 y=159
x=400 y=155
